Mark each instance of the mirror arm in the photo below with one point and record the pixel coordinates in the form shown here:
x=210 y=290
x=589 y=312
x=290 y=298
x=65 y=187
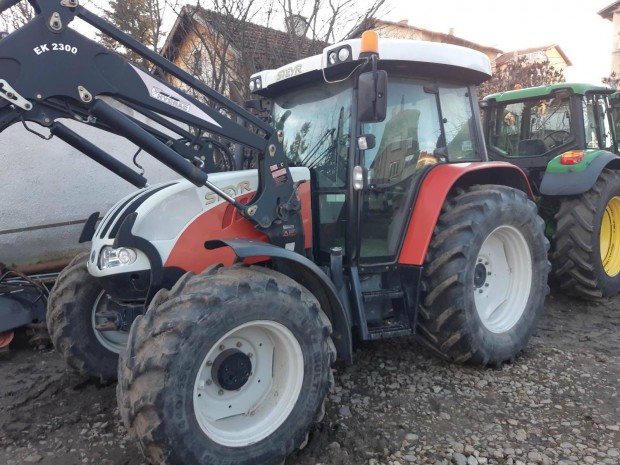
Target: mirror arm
x=375 y=79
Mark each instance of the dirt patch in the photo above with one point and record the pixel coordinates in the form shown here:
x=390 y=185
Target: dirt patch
x=559 y=403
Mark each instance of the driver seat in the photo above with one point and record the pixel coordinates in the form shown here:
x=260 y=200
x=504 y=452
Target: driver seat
x=531 y=147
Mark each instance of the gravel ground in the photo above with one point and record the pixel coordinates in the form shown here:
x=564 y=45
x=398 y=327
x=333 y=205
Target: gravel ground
x=559 y=403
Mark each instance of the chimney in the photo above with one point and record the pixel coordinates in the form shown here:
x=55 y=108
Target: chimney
x=451 y=31
x=404 y=22
x=297 y=25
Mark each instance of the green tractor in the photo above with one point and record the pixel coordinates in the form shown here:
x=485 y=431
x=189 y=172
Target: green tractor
x=563 y=136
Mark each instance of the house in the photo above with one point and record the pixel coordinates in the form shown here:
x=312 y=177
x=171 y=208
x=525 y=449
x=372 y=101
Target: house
x=224 y=51
x=551 y=53
x=612 y=13
x=402 y=30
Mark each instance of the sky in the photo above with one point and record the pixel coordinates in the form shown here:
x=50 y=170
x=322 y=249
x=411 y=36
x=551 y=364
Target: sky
x=574 y=25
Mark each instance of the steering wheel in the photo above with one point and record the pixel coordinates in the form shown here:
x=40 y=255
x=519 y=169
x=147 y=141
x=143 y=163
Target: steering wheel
x=556 y=138
x=208 y=154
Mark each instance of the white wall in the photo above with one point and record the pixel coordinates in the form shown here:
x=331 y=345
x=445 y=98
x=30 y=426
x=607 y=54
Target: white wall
x=48 y=182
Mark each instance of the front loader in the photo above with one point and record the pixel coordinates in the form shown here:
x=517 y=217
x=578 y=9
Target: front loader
x=228 y=296
x=564 y=137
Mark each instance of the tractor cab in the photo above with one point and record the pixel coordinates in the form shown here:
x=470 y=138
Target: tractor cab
x=365 y=171
x=530 y=127
x=387 y=140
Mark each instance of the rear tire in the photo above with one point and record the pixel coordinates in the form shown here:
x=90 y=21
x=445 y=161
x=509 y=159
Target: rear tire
x=217 y=346
x=586 y=257
x=485 y=277
x=71 y=317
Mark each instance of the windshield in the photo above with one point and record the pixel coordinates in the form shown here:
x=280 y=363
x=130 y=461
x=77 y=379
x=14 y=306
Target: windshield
x=530 y=128
x=316 y=123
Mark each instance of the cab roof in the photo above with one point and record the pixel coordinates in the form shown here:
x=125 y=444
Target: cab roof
x=544 y=91
x=426 y=57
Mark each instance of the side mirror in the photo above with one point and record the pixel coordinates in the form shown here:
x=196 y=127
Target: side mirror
x=372 y=96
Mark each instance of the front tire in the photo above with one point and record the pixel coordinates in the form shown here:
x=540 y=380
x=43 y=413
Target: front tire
x=230 y=366
x=586 y=257
x=72 y=309
x=485 y=277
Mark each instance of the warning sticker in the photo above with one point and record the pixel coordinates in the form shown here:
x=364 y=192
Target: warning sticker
x=288 y=230
x=278 y=172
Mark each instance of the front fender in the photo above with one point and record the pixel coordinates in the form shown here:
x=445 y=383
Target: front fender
x=309 y=275
x=576 y=179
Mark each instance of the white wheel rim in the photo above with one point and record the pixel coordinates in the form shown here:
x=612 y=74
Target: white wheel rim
x=114 y=341
x=244 y=416
x=502 y=279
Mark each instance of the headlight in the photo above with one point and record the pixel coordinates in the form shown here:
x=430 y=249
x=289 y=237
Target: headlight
x=111 y=258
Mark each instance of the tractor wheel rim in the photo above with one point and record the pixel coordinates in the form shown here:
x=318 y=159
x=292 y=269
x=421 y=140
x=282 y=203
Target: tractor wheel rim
x=114 y=341
x=236 y=406
x=610 y=238
x=502 y=279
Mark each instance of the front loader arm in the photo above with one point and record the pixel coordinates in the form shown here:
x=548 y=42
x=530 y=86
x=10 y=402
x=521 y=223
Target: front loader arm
x=49 y=71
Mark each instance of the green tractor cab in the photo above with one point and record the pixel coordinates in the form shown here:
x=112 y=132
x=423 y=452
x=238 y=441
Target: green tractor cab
x=565 y=138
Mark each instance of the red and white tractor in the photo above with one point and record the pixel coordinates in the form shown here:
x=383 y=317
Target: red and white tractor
x=370 y=213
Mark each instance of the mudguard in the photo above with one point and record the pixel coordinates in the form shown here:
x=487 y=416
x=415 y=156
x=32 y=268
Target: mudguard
x=435 y=189
x=576 y=179
x=307 y=273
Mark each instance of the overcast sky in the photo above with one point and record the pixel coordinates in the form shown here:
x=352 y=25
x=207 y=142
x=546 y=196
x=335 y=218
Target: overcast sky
x=508 y=25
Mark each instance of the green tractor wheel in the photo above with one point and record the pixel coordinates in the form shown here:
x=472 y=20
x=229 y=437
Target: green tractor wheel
x=586 y=257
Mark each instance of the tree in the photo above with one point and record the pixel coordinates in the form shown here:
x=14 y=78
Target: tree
x=16 y=17
x=141 y=19
x=217 y=46
x=612 y=80
x=522 y=72
x=329 y=21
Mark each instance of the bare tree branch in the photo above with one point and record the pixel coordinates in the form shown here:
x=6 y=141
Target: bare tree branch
x=223 y=42
x=16 y=17
x=332 y=20
x=142 y=20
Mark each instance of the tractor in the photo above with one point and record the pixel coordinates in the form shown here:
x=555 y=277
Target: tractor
x=222 y=300
x=564 y=138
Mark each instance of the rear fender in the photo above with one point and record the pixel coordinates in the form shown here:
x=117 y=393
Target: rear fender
x=436 y=187
x=576 y=179
x=309 y=275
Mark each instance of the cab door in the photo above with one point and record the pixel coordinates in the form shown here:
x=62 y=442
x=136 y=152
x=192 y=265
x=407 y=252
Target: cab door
x=426 y=123
x=599 y=123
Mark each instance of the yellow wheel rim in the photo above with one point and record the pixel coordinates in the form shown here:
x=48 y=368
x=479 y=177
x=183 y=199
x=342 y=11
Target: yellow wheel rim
x=610 y=238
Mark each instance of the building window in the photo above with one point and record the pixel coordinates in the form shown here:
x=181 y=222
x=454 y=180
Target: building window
x=394 y=171
x=197 y=65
